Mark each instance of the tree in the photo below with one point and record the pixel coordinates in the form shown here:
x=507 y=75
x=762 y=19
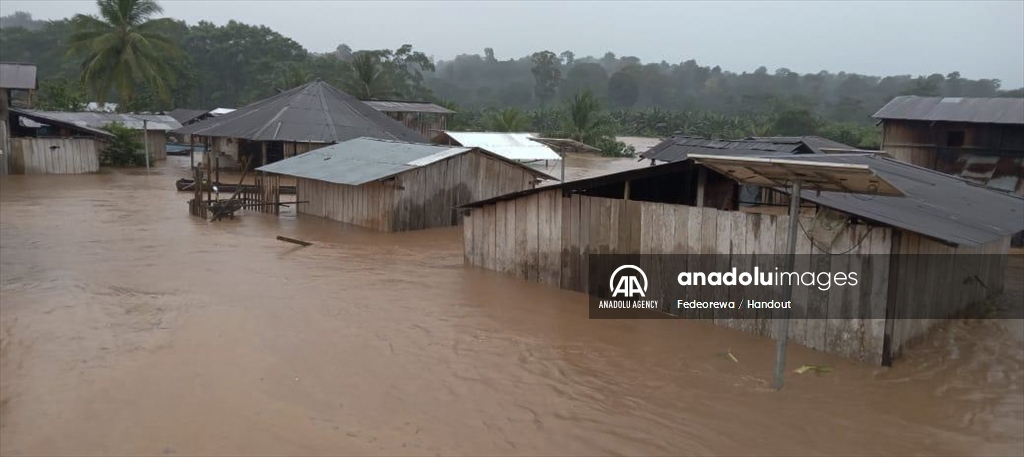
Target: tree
x=568 y=57
x=369 y=78
x=586 y=76
x=795 y=122
x=546 y=75
x=585 y=119
x=124 y=48
x=61 y=95
x=489 y=55
x=623 y=89
x=506 y=120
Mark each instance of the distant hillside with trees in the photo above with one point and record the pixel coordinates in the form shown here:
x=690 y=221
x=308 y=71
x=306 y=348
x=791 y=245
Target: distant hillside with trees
x=207 y=66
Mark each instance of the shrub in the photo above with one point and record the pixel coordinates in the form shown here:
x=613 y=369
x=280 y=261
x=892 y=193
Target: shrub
x=124 y=148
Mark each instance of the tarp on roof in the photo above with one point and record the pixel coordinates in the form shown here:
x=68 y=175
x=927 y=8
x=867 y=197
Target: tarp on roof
x=392 y=106
x=512 y=146
x=362 y=160
x=954 y=109
x=158 y=122
x=315 y=112
x=17 y=75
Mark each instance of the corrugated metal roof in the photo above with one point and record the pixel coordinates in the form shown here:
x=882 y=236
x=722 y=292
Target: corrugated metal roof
x=934 y=204
x=315 y=112
x=362 y=160
x=393 y=106
x=183 y=115
x=678 y=147
x=954 y=109
x=815 y=144
x=34 y=119
x=17 y=75
x=512 y=146
x=158 y=122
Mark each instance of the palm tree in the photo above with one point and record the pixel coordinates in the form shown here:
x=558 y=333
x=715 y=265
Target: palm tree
x=586 y=120
x=123 y=48
x=369 y=79
x=506 y=120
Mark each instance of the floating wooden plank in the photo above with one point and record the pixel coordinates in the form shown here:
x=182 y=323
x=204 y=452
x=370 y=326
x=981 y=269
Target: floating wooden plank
x=293 y=240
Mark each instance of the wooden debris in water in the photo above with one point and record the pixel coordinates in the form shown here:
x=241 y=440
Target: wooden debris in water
x=293 y=240
x=819 y=369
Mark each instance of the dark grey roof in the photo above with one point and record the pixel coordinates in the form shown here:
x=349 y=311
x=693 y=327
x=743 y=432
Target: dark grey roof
x=17 y=75
x=183 y=115
x=315 y=112
x=954 y=109
x=394 y=106
x=362 y=160
x=679 y=147
x=934 y=204
x=815 y=144
x=40 y=118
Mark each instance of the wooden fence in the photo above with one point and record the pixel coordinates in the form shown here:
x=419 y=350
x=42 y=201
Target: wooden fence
x=33 y=156
x=546 y=237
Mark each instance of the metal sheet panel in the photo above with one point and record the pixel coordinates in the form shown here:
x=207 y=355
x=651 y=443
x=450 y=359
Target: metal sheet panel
x=315 y=112
x=391 y=106
x=512 y=146
x=361 y=160
x=815 y=175
x=954 y=109
x=17 y=76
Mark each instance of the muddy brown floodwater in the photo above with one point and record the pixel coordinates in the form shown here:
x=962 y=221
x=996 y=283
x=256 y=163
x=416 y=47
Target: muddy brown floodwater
x=128 y=327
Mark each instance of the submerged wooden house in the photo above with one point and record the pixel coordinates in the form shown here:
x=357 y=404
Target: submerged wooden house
x=979 y=139
x=397 y=186
x=293 y=122
x=546 y=235
x=40 y=144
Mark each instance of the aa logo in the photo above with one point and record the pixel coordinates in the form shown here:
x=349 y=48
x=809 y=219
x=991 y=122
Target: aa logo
x=625 y=281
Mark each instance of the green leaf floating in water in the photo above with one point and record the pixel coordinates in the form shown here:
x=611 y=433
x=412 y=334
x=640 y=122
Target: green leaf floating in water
x=819 y=369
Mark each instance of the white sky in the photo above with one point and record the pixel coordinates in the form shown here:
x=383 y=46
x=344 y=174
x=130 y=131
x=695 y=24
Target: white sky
x=978 y=38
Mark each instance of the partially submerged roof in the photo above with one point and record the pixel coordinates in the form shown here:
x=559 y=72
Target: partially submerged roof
x=394 y=106
x=37 y=119
x=512 y=146
x=184 y=116
x=362 y=160
x=954 y=109
x=679 y=147
x=158 y=122
x=934 y=204
x=815 y=144
x=566 y=144
x=17 y=75
x=315 y=112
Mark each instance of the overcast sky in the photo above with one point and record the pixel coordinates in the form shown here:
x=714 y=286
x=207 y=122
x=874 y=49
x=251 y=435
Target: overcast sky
x=978 y=39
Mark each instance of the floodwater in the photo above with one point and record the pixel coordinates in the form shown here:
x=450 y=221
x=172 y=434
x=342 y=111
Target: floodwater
x=128 y=327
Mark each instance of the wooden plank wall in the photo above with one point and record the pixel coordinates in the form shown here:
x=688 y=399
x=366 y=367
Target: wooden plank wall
x=53 y=156
x=421 y=198
x=936 y=289
x=157 y=144
x=546 y=237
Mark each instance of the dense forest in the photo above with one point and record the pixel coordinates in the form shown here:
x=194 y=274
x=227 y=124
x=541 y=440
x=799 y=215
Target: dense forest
x=234 y=64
